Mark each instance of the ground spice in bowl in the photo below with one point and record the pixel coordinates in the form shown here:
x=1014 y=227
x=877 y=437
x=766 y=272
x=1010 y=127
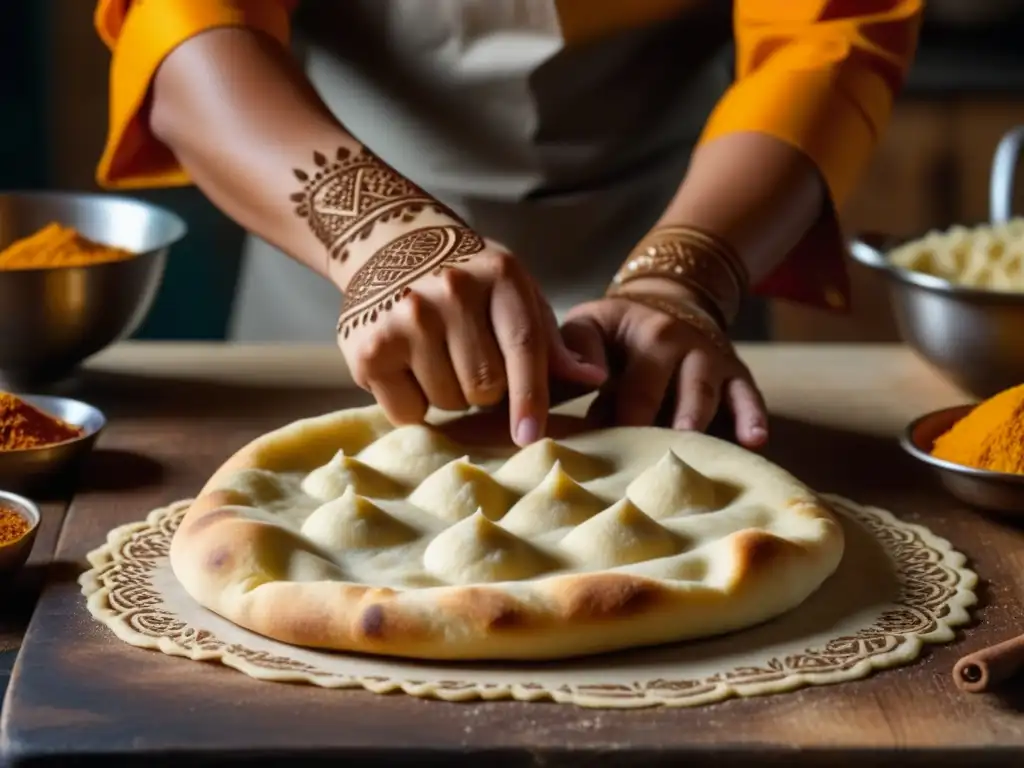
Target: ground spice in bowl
x=13 y=525
x=23 y=426
x=990 y=436
x=56 y=246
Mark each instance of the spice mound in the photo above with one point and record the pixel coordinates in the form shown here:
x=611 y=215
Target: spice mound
x=56 y=246
x=13 y=525
x=990 y=437
x=24 y=426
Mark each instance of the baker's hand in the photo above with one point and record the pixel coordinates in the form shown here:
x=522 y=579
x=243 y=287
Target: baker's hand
x=662 y=347
x=464 y=329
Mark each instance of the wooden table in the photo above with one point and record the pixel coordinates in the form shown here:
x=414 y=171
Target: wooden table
x=177 y=410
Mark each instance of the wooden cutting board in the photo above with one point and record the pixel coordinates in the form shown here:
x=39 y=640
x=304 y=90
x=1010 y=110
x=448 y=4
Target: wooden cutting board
x=79 y=693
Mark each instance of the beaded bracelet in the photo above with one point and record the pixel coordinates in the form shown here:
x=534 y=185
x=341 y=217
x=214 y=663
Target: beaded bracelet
x=694 y=259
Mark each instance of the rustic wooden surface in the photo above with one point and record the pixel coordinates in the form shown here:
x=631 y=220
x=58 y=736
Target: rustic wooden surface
x=176 y=412
x=20 y=591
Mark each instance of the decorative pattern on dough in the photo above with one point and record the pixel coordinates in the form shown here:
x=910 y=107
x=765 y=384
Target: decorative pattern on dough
x=671 y=487
x=926 y=594
x=527 y=469
x=410 y=453
x=477 y=551
x=558 y=501
x=355 y=522
x=343 y=473
x=458 y=489
x=620 y=535
x=588 y=543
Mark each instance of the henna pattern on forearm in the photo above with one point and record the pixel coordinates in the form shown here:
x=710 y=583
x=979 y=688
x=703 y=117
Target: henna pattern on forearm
x=387 y=275
x=345 y=197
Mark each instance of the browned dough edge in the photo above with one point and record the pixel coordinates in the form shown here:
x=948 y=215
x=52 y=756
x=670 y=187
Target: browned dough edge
x=225 y=562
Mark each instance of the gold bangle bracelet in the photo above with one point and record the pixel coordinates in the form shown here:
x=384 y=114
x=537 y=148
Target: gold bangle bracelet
x=695 y=261
x=716 y=244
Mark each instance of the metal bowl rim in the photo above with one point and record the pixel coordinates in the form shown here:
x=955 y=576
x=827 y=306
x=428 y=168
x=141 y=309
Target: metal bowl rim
x=177 y=221
x=931 y=282
x=25 y=505
x=908 y=445
x=90 y=435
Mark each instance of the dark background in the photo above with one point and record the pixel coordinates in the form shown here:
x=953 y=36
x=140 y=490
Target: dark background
x=965 y=90
x=54 y=117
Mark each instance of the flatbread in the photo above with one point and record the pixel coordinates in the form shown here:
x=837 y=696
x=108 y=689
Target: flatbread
x=343 y=532
x=898 y=588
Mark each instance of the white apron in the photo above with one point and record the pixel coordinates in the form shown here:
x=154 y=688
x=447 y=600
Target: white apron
x=567 y=156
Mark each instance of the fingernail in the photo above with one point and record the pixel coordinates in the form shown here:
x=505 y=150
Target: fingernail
x=685 y=424
x=527 y=431
x=758 y=433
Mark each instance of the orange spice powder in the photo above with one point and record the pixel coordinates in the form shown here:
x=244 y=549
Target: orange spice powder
x=56 y=246
x=990 y=436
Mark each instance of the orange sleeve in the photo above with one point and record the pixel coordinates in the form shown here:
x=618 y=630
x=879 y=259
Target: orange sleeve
x=820 y=75
x=140 y=34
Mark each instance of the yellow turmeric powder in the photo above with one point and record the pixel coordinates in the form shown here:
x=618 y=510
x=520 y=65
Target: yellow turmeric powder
x=990 y=437
x=56 y=246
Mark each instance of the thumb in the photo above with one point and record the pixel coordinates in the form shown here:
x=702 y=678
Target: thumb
x=583 y=341
x=584 y=345
x=577 y=356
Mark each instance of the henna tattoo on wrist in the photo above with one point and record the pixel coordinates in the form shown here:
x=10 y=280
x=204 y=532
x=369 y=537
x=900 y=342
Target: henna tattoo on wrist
x=343 y=198
x=386 y=276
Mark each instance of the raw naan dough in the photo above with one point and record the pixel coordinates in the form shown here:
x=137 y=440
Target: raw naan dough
x=343 y=532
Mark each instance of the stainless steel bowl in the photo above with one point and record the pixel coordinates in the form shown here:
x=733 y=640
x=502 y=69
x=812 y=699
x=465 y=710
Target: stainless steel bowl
x=32 y=469
x=53 y=319
x=14 y=555
x=994 y=491
x=971 y=336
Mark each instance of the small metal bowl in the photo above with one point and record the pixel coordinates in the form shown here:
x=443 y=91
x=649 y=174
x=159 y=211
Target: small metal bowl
x=13 y=555
x=31 y=468
x=53 y=319
x=1001 y=492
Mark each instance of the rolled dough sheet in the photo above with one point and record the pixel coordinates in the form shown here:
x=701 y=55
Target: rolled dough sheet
x=898 y=587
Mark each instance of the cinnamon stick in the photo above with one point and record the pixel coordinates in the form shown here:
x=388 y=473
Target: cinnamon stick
x=983 y=670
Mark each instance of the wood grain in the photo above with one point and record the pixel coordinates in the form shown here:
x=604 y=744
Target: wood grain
x=78 y=692
x=19 y=592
